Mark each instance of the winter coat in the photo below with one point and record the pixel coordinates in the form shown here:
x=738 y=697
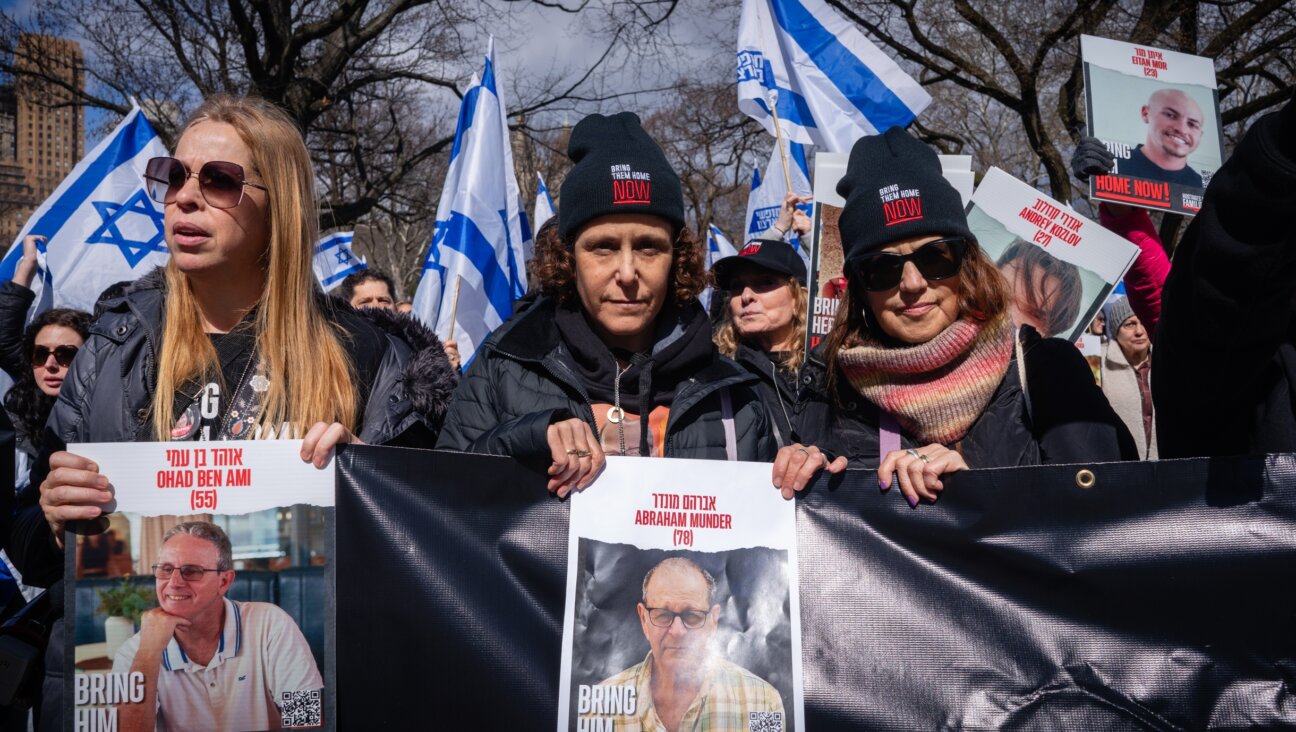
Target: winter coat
x=1224 y=377
x=777 y=390
x=1068 y=421
x=1145 y=280
x=1120 y=386
x=108 y=393
x=524 y=378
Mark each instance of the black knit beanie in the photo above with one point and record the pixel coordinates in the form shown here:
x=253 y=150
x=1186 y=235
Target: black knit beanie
x=894 y=190
x=617 y=169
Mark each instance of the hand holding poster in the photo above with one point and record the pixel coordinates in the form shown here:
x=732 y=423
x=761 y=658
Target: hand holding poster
x=1059 y=265
x=231 y=607
x=1157 y=111
x=682 y=601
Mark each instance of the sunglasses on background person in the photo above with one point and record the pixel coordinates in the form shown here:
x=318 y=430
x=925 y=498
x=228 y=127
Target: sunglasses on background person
x=935 y=260
x=63 y=355
x=220 y=183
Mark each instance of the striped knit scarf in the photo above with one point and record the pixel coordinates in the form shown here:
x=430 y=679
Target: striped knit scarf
x=935 y=390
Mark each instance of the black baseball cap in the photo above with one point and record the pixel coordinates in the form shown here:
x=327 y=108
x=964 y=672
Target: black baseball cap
x=772 y=254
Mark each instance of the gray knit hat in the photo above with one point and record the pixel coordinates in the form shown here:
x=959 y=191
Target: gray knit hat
x=1116 y=312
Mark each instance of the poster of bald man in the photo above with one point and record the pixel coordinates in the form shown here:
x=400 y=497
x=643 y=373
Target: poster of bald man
x=1157 y=111
x=682 y=602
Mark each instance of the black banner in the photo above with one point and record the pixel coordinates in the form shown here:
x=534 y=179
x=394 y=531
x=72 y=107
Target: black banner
x=1161 y=596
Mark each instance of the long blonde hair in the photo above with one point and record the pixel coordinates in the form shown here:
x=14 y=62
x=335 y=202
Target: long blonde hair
x=311 y=378
x=726 y=335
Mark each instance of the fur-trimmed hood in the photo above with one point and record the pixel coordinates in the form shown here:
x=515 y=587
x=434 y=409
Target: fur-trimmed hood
x=430 y=379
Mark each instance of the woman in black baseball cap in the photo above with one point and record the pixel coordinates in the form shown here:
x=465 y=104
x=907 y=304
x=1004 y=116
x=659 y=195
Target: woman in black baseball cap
x=924 y=373
x=763 y=322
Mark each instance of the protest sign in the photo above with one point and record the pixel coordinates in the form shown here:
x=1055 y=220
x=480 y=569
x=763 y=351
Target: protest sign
x=1137 y=595
x=1157 y=111
x=827 y=280
x=175 y=629
x=681 y=576
x=1059 y=265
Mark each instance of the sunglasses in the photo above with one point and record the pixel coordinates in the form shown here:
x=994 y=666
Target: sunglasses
x=935 y=260
x=220 y=183
x=63 y=355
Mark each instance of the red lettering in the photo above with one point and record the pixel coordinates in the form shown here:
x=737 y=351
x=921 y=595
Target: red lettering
x=901 y=210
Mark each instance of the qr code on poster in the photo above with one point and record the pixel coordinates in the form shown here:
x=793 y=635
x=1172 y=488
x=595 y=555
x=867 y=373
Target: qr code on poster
x=301 y=709
x=765 y=722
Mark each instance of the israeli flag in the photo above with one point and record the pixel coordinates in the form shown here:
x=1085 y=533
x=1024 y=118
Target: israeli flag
x=475 y=267
x=768 y=191
x=544 y=208
x=101 y=227
x=829 y=84
x=718 y=247
x=334 y=259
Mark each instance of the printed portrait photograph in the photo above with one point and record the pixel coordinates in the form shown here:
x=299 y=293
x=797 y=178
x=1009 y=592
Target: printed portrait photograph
x=235 y=604
x=714 y=627
x=1055 y=297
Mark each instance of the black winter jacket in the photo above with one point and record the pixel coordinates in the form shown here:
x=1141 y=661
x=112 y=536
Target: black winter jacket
x=777 y=389
x=109 y=391
x=1224 y=376
x=1070 y=421
x=523 y=379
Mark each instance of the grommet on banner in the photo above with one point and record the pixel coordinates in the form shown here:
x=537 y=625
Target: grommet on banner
x=1085 y=478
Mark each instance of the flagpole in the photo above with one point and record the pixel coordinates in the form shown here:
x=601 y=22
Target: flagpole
x=454 y=309
x=772 y=95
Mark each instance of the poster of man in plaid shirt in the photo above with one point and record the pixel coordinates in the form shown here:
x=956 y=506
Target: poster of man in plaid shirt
x=682 y=606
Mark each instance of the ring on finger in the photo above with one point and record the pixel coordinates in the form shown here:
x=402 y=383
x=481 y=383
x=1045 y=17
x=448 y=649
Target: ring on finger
x=803 y=450
x=582 y=453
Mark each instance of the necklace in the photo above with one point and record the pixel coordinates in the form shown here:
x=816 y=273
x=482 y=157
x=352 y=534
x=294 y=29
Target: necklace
x=615 y=414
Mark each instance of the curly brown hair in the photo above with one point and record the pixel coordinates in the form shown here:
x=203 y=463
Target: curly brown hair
x=983 y=296
x=555 y=265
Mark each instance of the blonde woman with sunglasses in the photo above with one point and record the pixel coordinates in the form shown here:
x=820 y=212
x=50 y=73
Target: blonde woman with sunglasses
x=231 y=340
x=923 y=373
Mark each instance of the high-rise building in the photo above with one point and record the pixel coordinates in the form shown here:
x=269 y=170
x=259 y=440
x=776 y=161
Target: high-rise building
x=42 y=126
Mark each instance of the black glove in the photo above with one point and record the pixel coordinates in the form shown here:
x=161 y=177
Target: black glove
x=1091 y=157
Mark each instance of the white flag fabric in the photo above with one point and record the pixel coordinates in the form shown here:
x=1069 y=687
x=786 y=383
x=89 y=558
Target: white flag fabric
x=544 y=208
x=481 y=240
x=831 y=85
x=334 y=260
x=101 y=227
x=769 y=189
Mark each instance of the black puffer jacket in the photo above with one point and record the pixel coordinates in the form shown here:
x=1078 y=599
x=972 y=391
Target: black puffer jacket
x=777 y=389
x=1069 y=420
x=109 y=390
x=524 y=378
x=1224 y=376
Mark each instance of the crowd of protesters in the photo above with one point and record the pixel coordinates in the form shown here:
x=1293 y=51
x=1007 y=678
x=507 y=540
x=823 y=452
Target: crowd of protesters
x=930 y=367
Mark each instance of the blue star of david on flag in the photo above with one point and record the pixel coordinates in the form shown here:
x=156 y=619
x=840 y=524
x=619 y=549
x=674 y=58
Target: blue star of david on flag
x=110 y=231
x=343 y=256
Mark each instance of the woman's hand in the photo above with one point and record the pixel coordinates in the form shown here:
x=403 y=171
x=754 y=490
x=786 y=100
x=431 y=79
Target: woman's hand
x=920 y=471
x=452 y=352
x=25 y=272
x=317 y=446
x=790 y=217
x=796 y=464
x=577 y=456
x=74 y=490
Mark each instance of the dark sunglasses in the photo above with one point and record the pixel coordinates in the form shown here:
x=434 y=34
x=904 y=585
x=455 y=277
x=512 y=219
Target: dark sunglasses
x=935 y=260
x=220 y=183
x=63 y=355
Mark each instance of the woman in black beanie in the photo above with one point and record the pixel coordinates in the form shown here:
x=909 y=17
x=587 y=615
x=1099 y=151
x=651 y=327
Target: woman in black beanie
x=923 y=371
x=616 y=356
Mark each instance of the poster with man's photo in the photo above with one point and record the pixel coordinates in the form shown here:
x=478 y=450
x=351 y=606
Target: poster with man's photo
x=1060 y=266
x=203 y=600
x=827 y=279
x=1157 y=111
x=682 y=601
